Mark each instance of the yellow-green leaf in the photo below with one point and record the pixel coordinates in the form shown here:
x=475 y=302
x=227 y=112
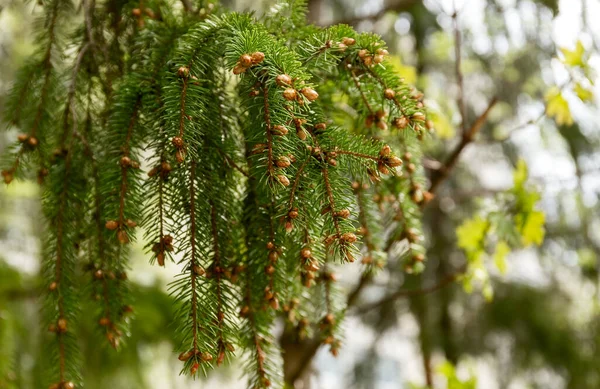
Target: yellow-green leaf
x=520 y=174
x=531 y=227
x=471 y=233
x=488 y=292
x=583 y=93
x=409 y=73
x=557 y=107
x=442 y=125
x=574 y=57
x=502 y=250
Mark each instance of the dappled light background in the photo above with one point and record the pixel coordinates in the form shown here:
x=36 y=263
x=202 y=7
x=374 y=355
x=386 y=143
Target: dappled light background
x=530 y=319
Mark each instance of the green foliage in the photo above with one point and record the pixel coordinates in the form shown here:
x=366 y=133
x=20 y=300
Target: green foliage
x=512 y=222
x=267 y=143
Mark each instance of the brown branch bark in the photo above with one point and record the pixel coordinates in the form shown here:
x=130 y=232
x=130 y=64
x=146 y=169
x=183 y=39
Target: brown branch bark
x=412 y=292
x=440 y=175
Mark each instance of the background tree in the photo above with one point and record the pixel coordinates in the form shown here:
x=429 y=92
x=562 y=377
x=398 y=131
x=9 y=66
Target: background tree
x=498 y=93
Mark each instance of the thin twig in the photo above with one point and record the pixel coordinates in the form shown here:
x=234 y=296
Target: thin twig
x=440 y=175
x=450 y=278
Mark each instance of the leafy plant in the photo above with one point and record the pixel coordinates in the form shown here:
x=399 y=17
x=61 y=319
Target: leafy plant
x=268 y=144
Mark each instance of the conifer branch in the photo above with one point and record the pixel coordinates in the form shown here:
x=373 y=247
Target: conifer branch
x=193 y=264
x=217 y=270
x=362 y=94
x=267 y=118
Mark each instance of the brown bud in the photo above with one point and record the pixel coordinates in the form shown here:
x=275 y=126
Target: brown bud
x=160 y=258
x=362 y=53
x=33 y=142
x=270 y=246
x=52 y=328
x=378 y=58
x=245 y=60
x=320 y=126
x=283 y=180
x=343 y=213
x=239 y=69
x=104 y=321
x=258 y=57
x=221 y=357
x=194 y=368
x=342 y=47
x=136 y=12
x=122 y=237
x=332 y=162
x=382 y=168
x=283 y=80
x=289 y=226
x=125 y=161
x=244 y=311
x=290 y=94
x=130 y=223
x=183 y=71
x=368 y=60
x=427 y=196
x=279 y=130
x=273 y=256
x=418 y=116
x=180 y=156
x=348 y=41
x=184 y=356
x=305 y=253
x=53 y=285
x=419 y=257
x=389 y=93
x=349 y=237
x=329 y=319
x=22 y=137
x=393 y=161
x=283 y=161
x=259 y=148
x=198 y=270
x=269 y=269
x=274 y=303
x=312 y=266
x=177 y=142
x=411 y=168
x=301 y=134
x=401 y=122
x=407 y=156
x=310 y=94
x=166 y=167
x=99 y=274
x=68 y=385
x=328 y=340
x=153 y=172
x=8 y=176
x=206 y=357
x=61 y=324
x=385 y=151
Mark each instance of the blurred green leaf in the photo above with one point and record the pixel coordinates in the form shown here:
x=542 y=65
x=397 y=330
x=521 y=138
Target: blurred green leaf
x=557 y=107
x=502 y=250
x=574 y=57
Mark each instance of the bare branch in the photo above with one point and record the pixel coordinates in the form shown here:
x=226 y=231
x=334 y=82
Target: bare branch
x=450 y=278
x=440 y=175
